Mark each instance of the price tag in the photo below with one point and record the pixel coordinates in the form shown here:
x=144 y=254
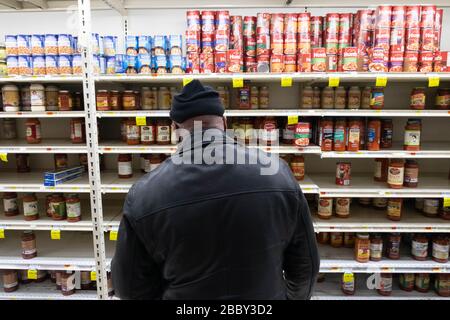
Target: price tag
x=113 y=235
x=333 y=81
x=187 y=80
x=349 y=277
x=4 y=157
x=141 y=121
x=433 y=82
x=2 y=233
x=381 y=81
x=32 y=274
x=55 y=234
x=93 y=276
x=446 y=202
x=238 y=82
x=292 y=120
x=286 y=81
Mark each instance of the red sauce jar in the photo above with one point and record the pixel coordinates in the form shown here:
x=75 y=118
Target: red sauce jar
x=340 y=134
x=65 y=102
x=148 y=133
x=10 y=280
x=28 y=240
x=342 y=207
x=115 y=100
x=297 y=165
x=103 y=100
x=396 y=172
x=10 y=206
x=422 y=282
x=269 y=131
x=418 y=99
x=22 y=162
x=326 y=134
x=60 y=161
x=288 y=134
x=33 y=131
x=30 y=207
x=406 y=281
x=73 y=207
x=362 y=247
x=387 y=132
x=325 y=208
x=393 y=246
x=385 y=284
x=380 y=203
x=381 y=169
x=133 y=132
x=336 y=239
x=129 y=100
x=58 y=203
x=125 y=166
x=373 y=135
x=394 y=209
x=412 y=135
x=77 y=130
x=411 y=179
x=442 y=284
x=443 y=99
x=163 y=131
x=419 y=247
x=440 y=249
x=323 y=237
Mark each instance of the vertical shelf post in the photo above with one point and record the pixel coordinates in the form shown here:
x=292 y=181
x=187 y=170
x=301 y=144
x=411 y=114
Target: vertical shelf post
x=85 y=35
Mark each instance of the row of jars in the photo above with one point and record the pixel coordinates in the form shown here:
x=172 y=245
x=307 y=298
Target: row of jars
x=33 y=130
x=57 y=206
x=147 y=163
x=373 y=247
x=38 y=98
x=420 y=282
x=60 y=161
x=65 y=281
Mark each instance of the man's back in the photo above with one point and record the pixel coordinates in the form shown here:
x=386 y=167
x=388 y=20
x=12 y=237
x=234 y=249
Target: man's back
x=217 y=231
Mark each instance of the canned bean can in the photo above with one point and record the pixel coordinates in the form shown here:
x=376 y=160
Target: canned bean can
x=65 y=64
x=23 y=45
x=38 y=63
x=51 y=45
x=77 y=64
x=37 y=45
x=11 y=45
x=65 y=44
x=343 y=173
x=12 y=65
x=110 y=65
x=24 y=65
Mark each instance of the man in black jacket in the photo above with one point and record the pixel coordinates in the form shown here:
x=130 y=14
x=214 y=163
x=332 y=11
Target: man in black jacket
x=215 y=221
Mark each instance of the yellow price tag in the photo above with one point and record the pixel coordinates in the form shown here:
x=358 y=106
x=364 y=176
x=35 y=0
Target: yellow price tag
x=113 y=235
x=93 y=276
x=55 y=234
x=187 y=80
x=286 y=81
x=333 y=81
x=141 y=121
x=381 y=81
x=238 y=82
x=446 y=202
x=2 y=233
x=292 y=120
x=349 y=277
x=32 y=274
x=433 y=82
x=4 y=157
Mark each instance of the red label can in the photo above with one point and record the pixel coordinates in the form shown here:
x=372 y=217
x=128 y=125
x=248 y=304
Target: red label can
x=220 y=62
x=412 y=37
x=249 y=26
x=427 y=39
x=426 y=61
x=438 y=28
x=263 y=23
x=383 y=17
x=316 y=32
x=236 y=36
x=290 y=23
x=250 y=64
x=277 y=63
x=412 y=17
x=398 y=19
x=193 y=20
x=192 y=62
x=277 y=43
x=290 y=63
x=427 y=16
x=411 y=60
x=235 y=60
x=397 y=41
x=301 y=134
x=276 y=23
x=206 y=62
x=396 y=61
x=290 y=43
x=343 y=173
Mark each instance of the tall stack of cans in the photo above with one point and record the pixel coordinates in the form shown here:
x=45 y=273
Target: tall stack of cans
x=397 y=39
x=363 y=37
x=412 y=39
x=427 y=34
x=332 y=40
x=380 y=50
x=207 y=36
x=277 y=42
x=249 y=37
x=235 y=53
x=193 y=41
x=263 y=42
x=345 y=39
x=305 y=34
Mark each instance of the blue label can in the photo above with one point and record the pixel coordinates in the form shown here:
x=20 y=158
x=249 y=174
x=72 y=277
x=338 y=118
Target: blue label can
x=24 y=64
x=110 y=65
x=51 y=44
x=95 y=42
x=120 y=63
x=65 y=64
x=109 y=46
x=12 y=65
x=11 y=45
x=38 y=64
x=144 y=64
x=65 y=44
x=102 y=64
x=144 y=45
x=51 y=65
x=23 y=45
x=77 y=67
x=160 y=45
x=131 y=43
x=37 y=45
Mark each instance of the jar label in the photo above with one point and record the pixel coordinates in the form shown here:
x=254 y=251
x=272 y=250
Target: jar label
x=394 y=209
x=298 y=169
x=59 y=208
x=37 y=98
x=386 y=284
x=342 y=206
x=325 y=207
x=419 y=249
x=353 y=136
x=395 y=175
x=339 y=135
x=147 y=134
x=129 y=102
x=30 y=208
x=163 y=134
x=440 y=251
x=29 y=247
x=411 y=175
x=412 y=138
x=102 y=102
x=376 y=250
x=422 y=282
x=132 y=132
x=418 y=100
x=73 y=209
x=10 y=285
x=77 y=131
x=10 y=205
x=125 y=168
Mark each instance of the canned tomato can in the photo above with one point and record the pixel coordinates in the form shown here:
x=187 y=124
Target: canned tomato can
x=318 y=60
x=222 y=41
x=12 y=65
x=222 y=20
x=290 y=23
x=206 y=63
x=397 y=40
x=410 y=63
x=37 y=45
x=51 y=44
x=302 y=134
x=235 y=60
x=396 y=62
x=290 y=43
x=236 y=36
x=250 y=64
x=277 y=63
x=263 y=44
x=250 y=46
x=412 y=37
x=316 y=27
x=38 y=63
x=412 y=17
x=383 y=16
x=427 y=39
x=343 y=173
x=263 y=23
x=276 y=23
x=208 y=21
x=426 y=61
x=192 y=41
x=304 y=62
x=11 y=45
x=23 y=45
x=24 y=65
x=207 y=42
x=276 y=44
x=290 y=63
x=249 y=26
x=193 y=20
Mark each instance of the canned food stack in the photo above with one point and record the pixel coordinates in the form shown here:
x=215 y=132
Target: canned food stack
x=331 y=41
x=263 y=42
x=347 y=54
x=277 y=42
x=412 y=38
x=207 y=36
x=427 y=38
x=397 y=39
x=221 y=41
x=249 y=38
x=235 y=53
x=304 y=42
x=379 y=57
x=363 y=37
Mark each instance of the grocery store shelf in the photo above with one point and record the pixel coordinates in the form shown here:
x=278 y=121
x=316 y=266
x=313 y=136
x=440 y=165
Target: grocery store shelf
x=34 y=182
x=112 y=214
x=337 y=260
x=46 y=146
x=45 y=291
x=40 y=79
x=430 y=186
x=436 y=150
x=44 y=114
x=329 y=289
x=368 y=219
x=271 y=77
x=379 y=113
x=73 y=252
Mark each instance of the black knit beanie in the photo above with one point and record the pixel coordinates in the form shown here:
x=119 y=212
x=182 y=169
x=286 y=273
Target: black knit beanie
x=196 y=100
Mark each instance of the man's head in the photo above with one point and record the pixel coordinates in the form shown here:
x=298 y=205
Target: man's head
x=198 y=103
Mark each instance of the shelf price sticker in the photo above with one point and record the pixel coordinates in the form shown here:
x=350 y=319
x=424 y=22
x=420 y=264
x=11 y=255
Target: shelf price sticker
x=433 y=81
x=141 y=121
x=381 y=81
x=447 y=201
x=93 y=276
x=4 y=157
x=2 y=233
x=55 y=234
x=32 y=274
x=113 y=235
x=238 y=82
x=186 y=80
x=286 y=81
x=292 y=120
x=333 y=81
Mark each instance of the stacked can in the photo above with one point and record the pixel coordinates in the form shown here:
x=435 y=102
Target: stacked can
x=397 y=39
x=316 y=32
x=249 y=38
x=331 y=40
x=427 y=42
x=235 y=53
x=380 y=52
x=363 y=36
x=344 y=38
x=193 y=45
x=262 y=42
x=304 y=33
x=290 y=42
x=412 y=39
x=277 y=42
x=208 y=32
x=437 y=40
x=221 y=41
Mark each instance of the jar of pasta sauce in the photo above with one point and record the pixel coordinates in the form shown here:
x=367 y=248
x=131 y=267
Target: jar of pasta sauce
x=393 y=246
x=340 y=98
x=422 y=282
x=380 y=203
x=67 y=283
x=377 y=98
x=387 y=131
x=51 y=96
x=365 y=202
x=10 y=280
x=406 y=281
x=374 y=135
x=349 y=240
x=443 y=99
x=10 y=206
x=418 y=204
x=340 y=134
x=164 y=98
x=440 y=249
x=326 y=134
x=354 y=133
x=129 y=100
x=385 y=284
x=163 y=131
x=30 y=207
x=354 y=98
x=125 y=166
x=103 y=100
x=48 y=206
x=115 y=100
x=348 y=283
x=28 y=241
x=412 y=135
x=411 y=174
x=73 y=207
x=343 y=173
x=254 y=97
x=394 y=209
x=269 y=131
x=430 y=207
x=376 y=247
x=419 y=247
x=442 y=284
x=417 y=99
x=362 y=247
x=381 y=169
x=327 y=98
x=133 y=132
x=9 y=129
x=325 y=208
x=336 y=239
x=85 y=280
x=323 y=237
x=33 y=130
x=65 y=102
x=148 y=133
x=366 y=96
x=58 y=203
x=288 y=133
x=396 y=172
x=297 y=165
x=77 y=130
x=342 y=207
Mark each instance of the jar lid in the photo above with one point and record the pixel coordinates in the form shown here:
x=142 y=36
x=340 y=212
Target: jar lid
x=363 y=235
x=63 y=91
x=37 y=86
x=128 y=91
x=102 y=90
x=10 y=87
x=51 y=88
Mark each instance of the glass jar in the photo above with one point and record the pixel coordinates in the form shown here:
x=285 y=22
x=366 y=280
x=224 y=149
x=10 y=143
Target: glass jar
x=316 y=98
x=33 y=131
x=297 y=165
x=443 y=99
x=133 y=132
x=254 y=97
x=25 y=99
x=377 y=98
x=442 y=284
x=10 y=280
x=323 y=237
x=354 y=98
x=366 y=96
x=396 y=173
x=376 y=247
x=102 y=99
x=85 y=280
x=115 y=100
x=336 y=239
x=340 y=98
x=362 y=247
x=412 y=135
x=163 y=131
x=268 y=133
x=406 y=281
x=419 y=247
x=125 y=166
x=37 y=97
x=9 y=131
x=349 y=239
x=422 y=282
x=22 y=163
x=325 y=208
x=365 y=202
x=342 y=207
x=348 y=283
x=51 y=97
x=10 y=204
x=326 y=134
x=58 y=203
x=381 y=169
x=387 y=132
x=380 y=203
x=340 y=134
x=418 y=204
x=440 y=249
x=164 y=98
x=327 y=98
x=48 y=206
x=264 y=100
x=11 y=98
x=148 y=133
x=385 y=284
x=73 y=207
x=307 y=98
x=41 y=276
x=84 y=161
x=430 y=207
x=373 y=135
x=65 y=102
x=411 y=174
x=354 y=133
x=152 y=162
x=28 y=242
x=247 y=124
x=394 y=209
x=67 y=283
x=77 y=130
x=147 y=99
x=129 y=101
x=61 y=161
x=393 y=246
x=30 y=207
x=417 y=99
